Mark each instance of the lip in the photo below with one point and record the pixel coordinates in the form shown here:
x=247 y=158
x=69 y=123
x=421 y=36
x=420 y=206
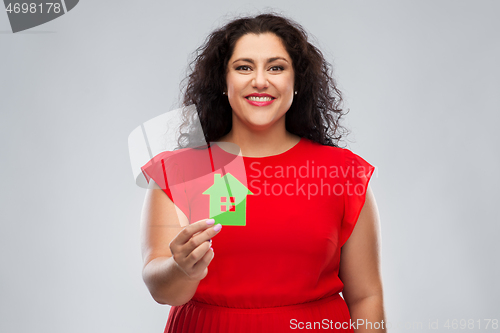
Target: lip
x=256 y=103
x=260 y=95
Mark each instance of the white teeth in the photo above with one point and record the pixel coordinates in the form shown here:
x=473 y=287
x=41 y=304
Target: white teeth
x=259 y=99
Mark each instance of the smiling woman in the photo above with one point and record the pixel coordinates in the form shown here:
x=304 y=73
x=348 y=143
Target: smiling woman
x=259 y=84
x=260 y=88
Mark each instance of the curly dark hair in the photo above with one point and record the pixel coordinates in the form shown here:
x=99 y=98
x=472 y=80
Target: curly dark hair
x=316 y=109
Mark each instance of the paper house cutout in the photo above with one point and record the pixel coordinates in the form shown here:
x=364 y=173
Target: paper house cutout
x=228 y=200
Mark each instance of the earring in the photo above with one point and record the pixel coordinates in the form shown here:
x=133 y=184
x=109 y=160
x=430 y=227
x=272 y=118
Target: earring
x=223 y=93
x=295 y=92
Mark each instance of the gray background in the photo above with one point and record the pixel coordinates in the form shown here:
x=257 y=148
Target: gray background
x=421 y=79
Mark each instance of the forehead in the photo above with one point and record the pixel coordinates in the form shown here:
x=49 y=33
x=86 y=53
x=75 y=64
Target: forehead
x=264 y=45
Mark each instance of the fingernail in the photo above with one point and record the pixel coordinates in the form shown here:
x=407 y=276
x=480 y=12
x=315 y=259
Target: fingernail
x=210 y=221
x=212 y=248
x=218 y=227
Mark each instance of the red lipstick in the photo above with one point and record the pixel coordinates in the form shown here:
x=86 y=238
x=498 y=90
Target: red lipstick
x=260 y=103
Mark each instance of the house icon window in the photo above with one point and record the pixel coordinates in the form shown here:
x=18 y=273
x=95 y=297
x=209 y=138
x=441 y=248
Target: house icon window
x=223 y=206
x=228 y=200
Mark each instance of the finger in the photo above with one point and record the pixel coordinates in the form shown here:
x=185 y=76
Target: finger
x=204 y=261
x=198 y=253
x=188 y=231
x=186 y=260
x=197 y=240
x=183 y=250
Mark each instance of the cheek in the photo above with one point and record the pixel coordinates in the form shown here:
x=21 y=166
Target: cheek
x=287 y=85
x=289 y=93
x=291 y=83
x=233 y=93
x=288 y=90
x=233 y=87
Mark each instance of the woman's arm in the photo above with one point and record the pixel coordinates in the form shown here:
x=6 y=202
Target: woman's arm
x=360 y=270
x=166 y=281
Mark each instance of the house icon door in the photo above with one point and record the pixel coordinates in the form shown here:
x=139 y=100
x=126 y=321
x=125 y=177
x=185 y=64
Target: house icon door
x=228 y=200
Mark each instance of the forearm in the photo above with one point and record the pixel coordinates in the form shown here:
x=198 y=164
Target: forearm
x=167 y=283
x=368 y=315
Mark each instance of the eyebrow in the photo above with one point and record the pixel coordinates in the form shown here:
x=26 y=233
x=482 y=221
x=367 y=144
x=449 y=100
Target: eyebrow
x=268 y=60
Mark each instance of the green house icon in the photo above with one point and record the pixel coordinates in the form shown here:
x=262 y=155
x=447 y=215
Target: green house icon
x=228 y=200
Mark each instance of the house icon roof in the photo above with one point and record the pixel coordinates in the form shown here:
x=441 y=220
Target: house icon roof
x=228 y=186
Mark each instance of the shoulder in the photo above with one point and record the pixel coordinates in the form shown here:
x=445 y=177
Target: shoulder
x=181 y=157
x=320 y=151
x=177 y=162
x=333 y=155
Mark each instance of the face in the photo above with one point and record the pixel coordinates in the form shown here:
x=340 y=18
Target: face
x=260 y=65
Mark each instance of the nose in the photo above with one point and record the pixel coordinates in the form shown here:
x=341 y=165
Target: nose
x=259 y=81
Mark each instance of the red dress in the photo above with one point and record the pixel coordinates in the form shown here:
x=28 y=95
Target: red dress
x=279 y=272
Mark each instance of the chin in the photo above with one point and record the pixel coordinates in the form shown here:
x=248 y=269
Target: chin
x=259 y=126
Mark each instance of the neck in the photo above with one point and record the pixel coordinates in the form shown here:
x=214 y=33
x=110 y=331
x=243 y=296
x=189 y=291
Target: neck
x=272 y=141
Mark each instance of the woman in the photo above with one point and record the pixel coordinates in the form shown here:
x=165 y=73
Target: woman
x=258 y=83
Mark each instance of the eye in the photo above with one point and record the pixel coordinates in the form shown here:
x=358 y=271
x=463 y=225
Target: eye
x=243 y=67
x=277 y=68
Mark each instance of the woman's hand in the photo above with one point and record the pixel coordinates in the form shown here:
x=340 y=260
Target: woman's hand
x=191 y=248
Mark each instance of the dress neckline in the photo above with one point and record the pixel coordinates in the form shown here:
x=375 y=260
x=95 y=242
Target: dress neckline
x=261 y=158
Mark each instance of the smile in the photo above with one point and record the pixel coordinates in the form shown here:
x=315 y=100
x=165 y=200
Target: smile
x=259 y=101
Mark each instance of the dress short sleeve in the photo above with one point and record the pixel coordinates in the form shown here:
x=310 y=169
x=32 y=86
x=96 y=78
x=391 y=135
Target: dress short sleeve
x=357 y=173
x=167 y=173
